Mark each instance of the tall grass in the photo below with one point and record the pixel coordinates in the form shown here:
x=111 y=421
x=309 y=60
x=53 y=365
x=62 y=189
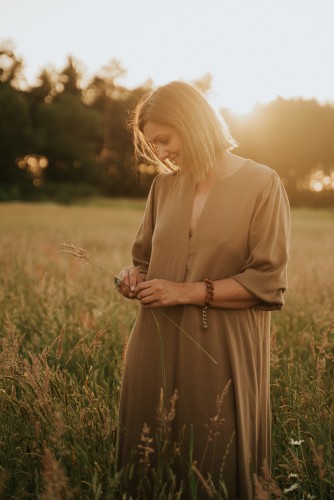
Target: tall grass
x=63 y=331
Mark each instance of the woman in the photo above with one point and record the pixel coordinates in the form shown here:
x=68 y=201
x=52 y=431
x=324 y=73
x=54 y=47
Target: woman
x=209 y=264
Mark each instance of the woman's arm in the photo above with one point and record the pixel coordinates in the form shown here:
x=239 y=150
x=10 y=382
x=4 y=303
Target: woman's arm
x=228 y=294
x=141 y=247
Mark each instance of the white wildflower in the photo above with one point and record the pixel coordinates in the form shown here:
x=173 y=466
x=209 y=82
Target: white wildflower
x=296 y=443
x=293 y=474
x=293 y=487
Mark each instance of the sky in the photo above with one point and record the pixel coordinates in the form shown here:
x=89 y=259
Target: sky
x=255 y=50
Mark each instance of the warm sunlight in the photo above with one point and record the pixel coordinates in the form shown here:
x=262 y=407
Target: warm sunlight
x=254 y=51
x=318 y=181
x=166 y=174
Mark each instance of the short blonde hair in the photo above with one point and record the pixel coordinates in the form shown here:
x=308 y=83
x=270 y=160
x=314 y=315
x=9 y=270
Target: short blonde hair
x=205 y=135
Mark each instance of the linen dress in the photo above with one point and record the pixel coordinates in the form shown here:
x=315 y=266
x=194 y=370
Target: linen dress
x=243 y=233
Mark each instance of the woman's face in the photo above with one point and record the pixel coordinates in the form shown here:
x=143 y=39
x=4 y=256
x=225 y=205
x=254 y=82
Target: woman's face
x=165 y=140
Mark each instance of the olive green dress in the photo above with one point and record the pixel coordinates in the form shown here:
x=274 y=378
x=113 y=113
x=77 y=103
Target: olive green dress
x=243 y=233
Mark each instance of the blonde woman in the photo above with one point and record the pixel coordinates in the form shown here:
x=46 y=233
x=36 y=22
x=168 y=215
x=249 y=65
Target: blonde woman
x=209 y=262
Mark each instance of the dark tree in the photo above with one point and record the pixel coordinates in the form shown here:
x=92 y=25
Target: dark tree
x=69 y=135
x=15 y=121
x=15 y=133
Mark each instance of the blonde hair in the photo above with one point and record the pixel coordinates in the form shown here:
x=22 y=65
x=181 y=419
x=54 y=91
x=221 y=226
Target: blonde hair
x=205 y=135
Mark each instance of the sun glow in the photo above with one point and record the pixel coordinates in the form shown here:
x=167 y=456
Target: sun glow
x=237 y=104
x=318 y=181
x=35 y=165
x=247 y=55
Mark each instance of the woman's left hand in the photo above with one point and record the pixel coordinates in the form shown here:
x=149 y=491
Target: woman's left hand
x=159 y=293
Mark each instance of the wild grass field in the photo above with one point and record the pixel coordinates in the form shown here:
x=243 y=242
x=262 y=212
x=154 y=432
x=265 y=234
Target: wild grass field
x=63 y=331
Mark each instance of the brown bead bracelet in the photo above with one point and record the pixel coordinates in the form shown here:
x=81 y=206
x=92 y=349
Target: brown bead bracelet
x=208 y=301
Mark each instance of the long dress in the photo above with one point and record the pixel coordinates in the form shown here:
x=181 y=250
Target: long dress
x=243 y=233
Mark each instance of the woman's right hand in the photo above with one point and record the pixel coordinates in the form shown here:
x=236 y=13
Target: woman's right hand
x=130 y=277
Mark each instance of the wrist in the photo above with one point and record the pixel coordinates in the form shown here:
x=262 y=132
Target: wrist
x=193 y=293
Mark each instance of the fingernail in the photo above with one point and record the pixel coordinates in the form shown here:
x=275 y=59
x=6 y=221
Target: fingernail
x=132 y=288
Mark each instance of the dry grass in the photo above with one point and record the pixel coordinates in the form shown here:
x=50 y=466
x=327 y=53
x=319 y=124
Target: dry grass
x=63 y=329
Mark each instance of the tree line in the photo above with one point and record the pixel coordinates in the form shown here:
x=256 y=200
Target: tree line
x=62 y=138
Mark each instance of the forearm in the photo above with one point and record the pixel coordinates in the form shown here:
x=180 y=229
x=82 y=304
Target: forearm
x=228 y=294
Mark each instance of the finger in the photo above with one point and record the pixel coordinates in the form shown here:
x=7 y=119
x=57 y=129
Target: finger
x=142 y=286
x=125 y=278
x=127 y=294
x=147 y=298
x=123 y=290
x=154 y=303
x=133 y=278
x=143 y=294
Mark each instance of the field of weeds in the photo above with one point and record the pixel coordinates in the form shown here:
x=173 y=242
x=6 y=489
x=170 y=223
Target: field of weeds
x=63 y=331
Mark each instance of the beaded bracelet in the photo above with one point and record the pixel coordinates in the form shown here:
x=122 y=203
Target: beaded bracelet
x=208 y=301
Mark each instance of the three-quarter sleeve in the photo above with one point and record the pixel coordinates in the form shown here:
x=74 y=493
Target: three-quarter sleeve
x=142 y=244
x=265 y=271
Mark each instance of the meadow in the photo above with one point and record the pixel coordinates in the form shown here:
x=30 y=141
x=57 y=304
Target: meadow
x=63 y=331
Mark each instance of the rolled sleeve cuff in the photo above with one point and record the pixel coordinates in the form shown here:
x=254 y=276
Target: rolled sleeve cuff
x=255 y=282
